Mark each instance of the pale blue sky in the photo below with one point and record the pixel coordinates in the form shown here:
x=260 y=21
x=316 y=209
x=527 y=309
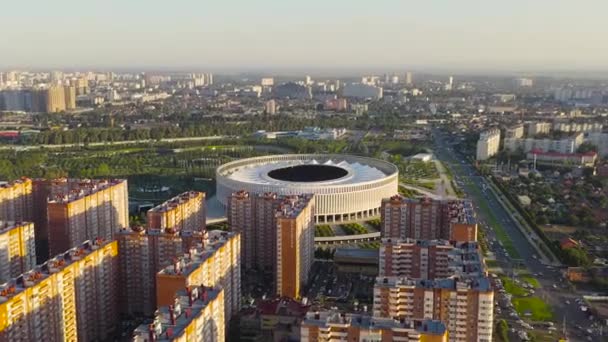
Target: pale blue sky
x=321 y=34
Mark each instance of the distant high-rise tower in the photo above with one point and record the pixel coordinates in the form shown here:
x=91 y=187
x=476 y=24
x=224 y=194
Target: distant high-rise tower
x=70 y=97
x=408 y=78
x=271 y=107
x=55 y=101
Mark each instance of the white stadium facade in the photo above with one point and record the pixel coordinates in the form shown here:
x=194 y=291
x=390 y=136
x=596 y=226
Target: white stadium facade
x=346 y=187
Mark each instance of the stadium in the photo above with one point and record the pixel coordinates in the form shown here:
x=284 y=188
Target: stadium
x=346 y=188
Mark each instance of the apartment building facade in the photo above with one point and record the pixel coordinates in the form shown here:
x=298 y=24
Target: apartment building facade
x=196 y=314
x=430 y=259
x=216 y=262
x=72 y=297
x=16 y=200
x=466 y=306
x=143 y=254
x=568 y=144
x=17 y=249
x=428 y=219
x=488 y=144
x=185 y=212
x=87 y=210
x=277 y=236
x=333 y=326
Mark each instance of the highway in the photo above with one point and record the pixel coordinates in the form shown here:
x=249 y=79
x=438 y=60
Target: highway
x=495 y=218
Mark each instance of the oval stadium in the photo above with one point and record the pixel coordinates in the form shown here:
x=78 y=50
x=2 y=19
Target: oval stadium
x=346 y=188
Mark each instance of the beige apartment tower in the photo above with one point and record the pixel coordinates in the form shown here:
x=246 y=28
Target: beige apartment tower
x=465 y=306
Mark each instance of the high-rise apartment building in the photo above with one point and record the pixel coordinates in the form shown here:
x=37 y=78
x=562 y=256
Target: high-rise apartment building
x=515 y=132
x=216 y=262
x=72 y=297
x=17 y=249
x=196 y=314
x=295 y=244
x=334 y=326
x=276 y=234
x=488 y=144
x=16 y=200
x=428 y=219
x=70 y=97
x=270 y=107
x=90 y=209
x=430 y=259
x=185 y=212
x=466 y=306
x=55 y=99
x=143 y=254
x=535 y=128
x=408 y=78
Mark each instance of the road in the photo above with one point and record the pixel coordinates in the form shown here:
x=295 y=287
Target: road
x=477 y=189
x=113 y=143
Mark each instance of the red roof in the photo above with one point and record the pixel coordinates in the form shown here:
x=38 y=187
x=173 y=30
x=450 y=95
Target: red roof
x=567 y=243
x=9 y=134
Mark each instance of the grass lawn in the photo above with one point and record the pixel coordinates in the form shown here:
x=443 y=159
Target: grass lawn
x=492 y=263
x=324 y=230
x=540 y=310
x=354 y=229
x=530 y=280
x=512 y=288
x=493 y=222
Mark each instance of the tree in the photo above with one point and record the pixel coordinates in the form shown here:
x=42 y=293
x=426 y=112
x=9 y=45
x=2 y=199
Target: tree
x=502 y=330
x=586 y=147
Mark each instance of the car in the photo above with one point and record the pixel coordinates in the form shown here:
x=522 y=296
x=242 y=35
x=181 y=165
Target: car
x=568 y=302
x=552 y=328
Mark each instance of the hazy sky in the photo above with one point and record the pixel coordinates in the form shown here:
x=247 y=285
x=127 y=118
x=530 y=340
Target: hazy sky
x=318 y=34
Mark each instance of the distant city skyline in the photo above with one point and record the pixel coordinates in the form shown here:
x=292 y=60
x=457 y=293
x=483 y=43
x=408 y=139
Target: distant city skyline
x=272 y=35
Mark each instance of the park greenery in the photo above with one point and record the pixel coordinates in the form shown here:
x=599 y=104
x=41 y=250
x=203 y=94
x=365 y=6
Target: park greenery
x=324 y=230
x=502 y=330
x=354 y=229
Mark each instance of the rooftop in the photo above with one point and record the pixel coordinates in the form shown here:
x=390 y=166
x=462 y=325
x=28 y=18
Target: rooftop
x=31 y=278
x=328 y=318
x=171 y=321
x=211 y=242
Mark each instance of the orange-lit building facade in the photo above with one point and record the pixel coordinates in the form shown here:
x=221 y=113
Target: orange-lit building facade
x=16 y=200
x=72 y=297
x=277 y=236
x=216 y=262
x=17 y=249
x=185 y=212
x=86 y=210
x=428 y=219
x=294 y=244
x=196 y=314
